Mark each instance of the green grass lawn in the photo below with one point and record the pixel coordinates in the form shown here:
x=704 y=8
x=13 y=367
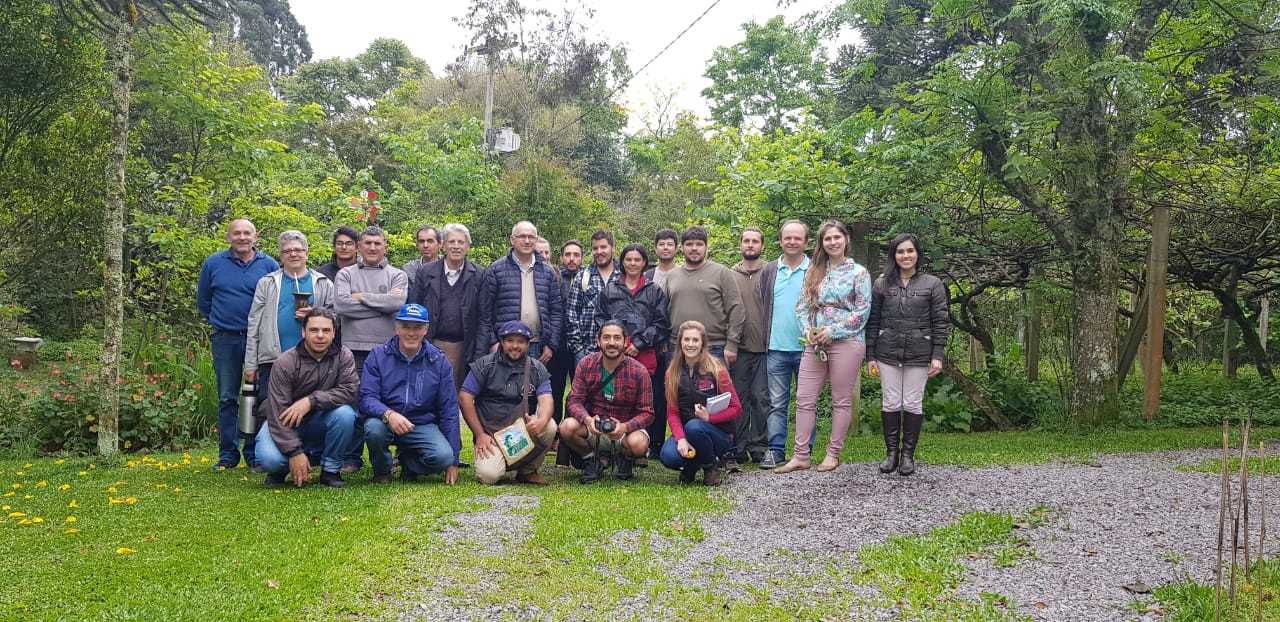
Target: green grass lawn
x=165 y=538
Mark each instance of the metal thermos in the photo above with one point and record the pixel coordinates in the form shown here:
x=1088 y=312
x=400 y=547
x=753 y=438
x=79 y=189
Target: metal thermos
x=248 y=400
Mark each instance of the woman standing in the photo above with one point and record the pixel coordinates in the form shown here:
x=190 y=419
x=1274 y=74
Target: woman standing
x=833 y=309
x=906 y=340
x=698 y=436
x=641 y=307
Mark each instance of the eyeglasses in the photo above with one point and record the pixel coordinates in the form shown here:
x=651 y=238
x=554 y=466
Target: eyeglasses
x=344 y=243
x=293 y=251
x=525 y=236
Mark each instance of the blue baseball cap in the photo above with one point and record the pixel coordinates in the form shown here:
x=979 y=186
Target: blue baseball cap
x=412 y=313
x=515 y=327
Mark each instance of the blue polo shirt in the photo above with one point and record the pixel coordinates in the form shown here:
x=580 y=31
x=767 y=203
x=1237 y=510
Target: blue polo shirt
x=225 y=291
x=784 y=326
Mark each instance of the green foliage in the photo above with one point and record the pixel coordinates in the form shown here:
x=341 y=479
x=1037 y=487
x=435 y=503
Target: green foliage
x=1189 y=601
x=770 y=80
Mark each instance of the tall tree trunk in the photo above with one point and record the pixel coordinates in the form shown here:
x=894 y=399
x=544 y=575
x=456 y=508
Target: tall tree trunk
x=119 y=60
x=1093 y=357
x=1234 y=313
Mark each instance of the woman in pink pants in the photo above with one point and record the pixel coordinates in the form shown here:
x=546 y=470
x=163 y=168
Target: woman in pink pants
x=833 y=309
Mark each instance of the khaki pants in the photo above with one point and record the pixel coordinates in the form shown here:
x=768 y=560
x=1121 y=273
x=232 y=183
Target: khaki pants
x=490 y=470
x=454 y=354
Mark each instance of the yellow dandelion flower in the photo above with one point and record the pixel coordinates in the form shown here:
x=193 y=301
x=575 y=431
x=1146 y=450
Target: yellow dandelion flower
x=10 y=493
x=93 y=466
x=37 y=520
x=17 y=486
x=4 y=507
x=24 y=522
x=27 y=465
x=59 y=461
x=276 y=491
x=131 y=500
x=70 y=519
x=112 y=489
x=244 y=479
x=64 y=487
x=131 y=464
x=119 y=483
x=73 y=504
x=41 y=484
x=19 y=472
x=28 y=496
x=162 y=468
x=124 y=551
x=345 y=519
x=114 y=500
x=159 y=486
x=72 y=530
x=82 y=473
x=15 y=514
x=204 y=458
x=178 y=489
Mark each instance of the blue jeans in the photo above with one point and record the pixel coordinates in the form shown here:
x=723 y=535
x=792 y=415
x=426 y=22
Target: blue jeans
x=709 y=442
x=330 y=429
x=355 y=451
x=783 y=369
x=423 y=451
x=228 y=369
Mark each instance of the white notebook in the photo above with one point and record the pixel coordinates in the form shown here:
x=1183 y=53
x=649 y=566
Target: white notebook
x=717 y=403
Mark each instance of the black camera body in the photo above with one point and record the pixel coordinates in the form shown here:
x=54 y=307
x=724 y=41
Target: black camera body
x=606 y=425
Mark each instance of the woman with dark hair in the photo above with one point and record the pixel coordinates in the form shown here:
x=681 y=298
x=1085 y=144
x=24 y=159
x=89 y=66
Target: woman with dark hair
x=833 y=307
x=641 y=306
x=698 y=436
x=906 y=340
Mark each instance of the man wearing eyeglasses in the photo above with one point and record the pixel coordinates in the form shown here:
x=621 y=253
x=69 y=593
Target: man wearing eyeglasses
x=367 y=296
x=521 y=286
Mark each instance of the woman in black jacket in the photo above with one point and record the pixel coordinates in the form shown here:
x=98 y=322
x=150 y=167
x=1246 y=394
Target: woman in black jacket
x=906 y=340
x=641 y=307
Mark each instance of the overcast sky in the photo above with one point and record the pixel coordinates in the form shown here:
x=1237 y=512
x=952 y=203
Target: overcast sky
x=344 y=28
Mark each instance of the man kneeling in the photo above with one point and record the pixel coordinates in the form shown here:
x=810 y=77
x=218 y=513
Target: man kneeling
x=611 y=404
x=308 y=406
x=407 y=397
x=495 y=397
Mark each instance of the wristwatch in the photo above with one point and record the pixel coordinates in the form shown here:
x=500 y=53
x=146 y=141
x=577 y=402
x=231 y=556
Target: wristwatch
x=386 y=416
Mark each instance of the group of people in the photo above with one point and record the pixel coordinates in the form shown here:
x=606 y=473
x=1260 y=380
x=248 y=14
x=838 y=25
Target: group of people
x=358 y=353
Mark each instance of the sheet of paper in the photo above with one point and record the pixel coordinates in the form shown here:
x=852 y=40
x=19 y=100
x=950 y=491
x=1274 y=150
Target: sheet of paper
x=718 y=403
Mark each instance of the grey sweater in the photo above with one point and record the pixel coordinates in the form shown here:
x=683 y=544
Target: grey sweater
x=369 y=321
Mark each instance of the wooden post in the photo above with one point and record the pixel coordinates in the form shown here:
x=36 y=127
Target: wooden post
x=1033 y=333
x=1157 y=269
x=1133 y=339
x=976 y=361
x=1264 y=321
x=1228 y=339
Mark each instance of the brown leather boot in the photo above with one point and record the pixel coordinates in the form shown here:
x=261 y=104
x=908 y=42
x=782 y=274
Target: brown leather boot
x=711 y=475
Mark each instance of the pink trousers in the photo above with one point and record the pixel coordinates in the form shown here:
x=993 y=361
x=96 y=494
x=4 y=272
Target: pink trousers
x=843 y=368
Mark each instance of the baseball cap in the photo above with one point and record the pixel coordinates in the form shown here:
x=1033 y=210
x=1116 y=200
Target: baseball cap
x=412 y=313
x=515 y=327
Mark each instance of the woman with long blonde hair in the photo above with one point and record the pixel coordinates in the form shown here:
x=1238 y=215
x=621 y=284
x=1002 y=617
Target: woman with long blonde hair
x=833 y=308
x=698 y=436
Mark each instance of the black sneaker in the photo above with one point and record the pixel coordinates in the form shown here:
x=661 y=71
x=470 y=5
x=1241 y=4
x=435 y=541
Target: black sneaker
x=408 y=477
x=274 y=479
x=626 y=468
x=592 y=470
x=757 y=456
x=688 y=472
x=332 y=479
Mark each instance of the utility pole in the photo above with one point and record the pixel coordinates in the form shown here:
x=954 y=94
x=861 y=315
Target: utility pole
x=491 y=47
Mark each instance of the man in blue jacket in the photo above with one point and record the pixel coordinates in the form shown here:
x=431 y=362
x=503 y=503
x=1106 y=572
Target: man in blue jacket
x=521 y=286
x=407 y=397
x=223 y=296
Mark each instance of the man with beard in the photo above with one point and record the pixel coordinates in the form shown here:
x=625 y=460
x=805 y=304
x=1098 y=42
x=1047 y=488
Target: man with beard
x=665 y=247
x=308 y=406
x=610 y=406
x=580 y=308
x=493 y=397
x=224 y=295
x=707 y=292
x=749 y=371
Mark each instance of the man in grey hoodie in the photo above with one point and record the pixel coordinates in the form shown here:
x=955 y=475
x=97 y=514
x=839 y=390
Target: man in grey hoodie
x=367 y=296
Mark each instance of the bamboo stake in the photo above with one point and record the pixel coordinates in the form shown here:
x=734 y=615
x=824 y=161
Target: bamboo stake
x=1235 y=549
x=1244 y=491
x=1262 y=529
x=1223 y=493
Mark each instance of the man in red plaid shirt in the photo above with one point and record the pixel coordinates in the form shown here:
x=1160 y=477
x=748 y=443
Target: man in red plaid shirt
x=609 y=387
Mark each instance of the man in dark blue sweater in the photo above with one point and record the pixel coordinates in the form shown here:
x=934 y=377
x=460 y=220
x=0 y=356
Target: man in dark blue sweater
x=223 y=296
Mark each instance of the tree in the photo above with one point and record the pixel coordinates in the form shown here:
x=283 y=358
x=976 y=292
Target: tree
x=272 y=34
x=116 y=21
x=769 y=79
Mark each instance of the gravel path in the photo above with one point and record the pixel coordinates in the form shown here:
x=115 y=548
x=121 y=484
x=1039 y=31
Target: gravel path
x=1122 y=520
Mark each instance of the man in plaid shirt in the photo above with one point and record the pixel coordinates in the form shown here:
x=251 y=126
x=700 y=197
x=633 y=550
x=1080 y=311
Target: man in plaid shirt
x=582 y=293
x=609 y=386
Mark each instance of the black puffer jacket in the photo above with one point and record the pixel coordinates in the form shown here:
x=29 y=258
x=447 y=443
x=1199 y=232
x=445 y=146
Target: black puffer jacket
x=908 y=325
x=644 y=315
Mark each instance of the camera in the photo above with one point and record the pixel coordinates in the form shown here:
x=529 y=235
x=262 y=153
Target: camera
x=606 y=425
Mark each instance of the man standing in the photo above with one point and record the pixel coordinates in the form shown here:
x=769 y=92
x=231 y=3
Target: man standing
x=664 y=248
x=224 y=294
x=612 y=388
x=407 y=398
x=521 y=286
x=366 y=297
x=280 y=302
x=345 y=241
x=493 y=397
x=309 y=406
x=562 y=363
x=450 y=291
x=706 y=291
x=580 y=313
x=780 y=285
x=429 y=241
x=750 y=439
